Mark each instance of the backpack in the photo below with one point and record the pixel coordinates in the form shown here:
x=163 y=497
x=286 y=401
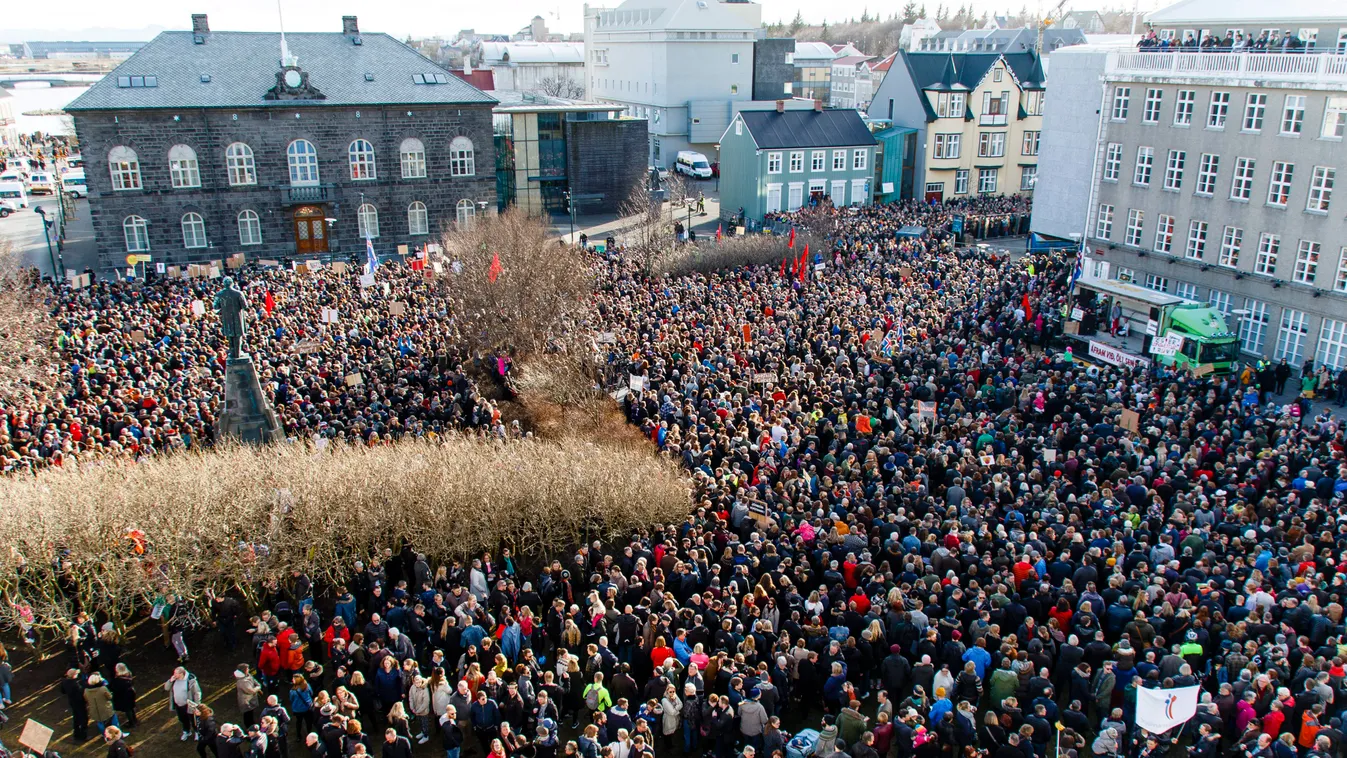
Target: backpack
x=592 y=698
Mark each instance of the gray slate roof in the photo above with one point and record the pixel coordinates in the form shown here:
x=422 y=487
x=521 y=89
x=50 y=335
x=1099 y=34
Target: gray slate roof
x=242 y=67
x=799 y=129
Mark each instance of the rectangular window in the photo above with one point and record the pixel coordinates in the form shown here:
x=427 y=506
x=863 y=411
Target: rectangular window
x=774 y=163
x=1206 y=174
x=840 y=157
x=1103 y=223
x=1157 y=283
x=946 y=146
x=1113 y=161
x=1141 y=175
x=1291 y=337
x=1164 y=234
x=961 y=182
x=991 y=144
x=1121 y=97
x=1321 y=189
x=1126 y=274
x=1266 y=262
x=1279 y=187
x=1335 y=117
x=797 y=161
x=1150 y=114
x=1174 y=170
x=1218 y=109
x=1031 y=141
x=987 y=180
x=1028 y=178
x=1183 y=107
x=1340 y=281
x=1255 y=106
x=1253 y=327
x=1185 y=290
x=1033 y=103
x=860 y=158
x=1197 y=240
x=1231 y=241
x=1293 y=114
x=1241 y=187
x=1332 y=344
x=817 y=159
x=1307 y=262
x=1135 y=220
x=1220 y=301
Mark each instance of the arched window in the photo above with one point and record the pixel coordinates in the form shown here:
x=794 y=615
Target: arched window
x=303 y=160
x=466 y=211
x=362 y=159
x=250 y=228
x=460 y=157
x=137 y=234
x=193 y=231
x=239 y=161
x=125 y=168
x=418 y=222
x=183 y=169
x=367 y=220
x=413 y=158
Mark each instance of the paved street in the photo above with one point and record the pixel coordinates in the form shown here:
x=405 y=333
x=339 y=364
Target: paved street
x=24 y=229
x=599 y=225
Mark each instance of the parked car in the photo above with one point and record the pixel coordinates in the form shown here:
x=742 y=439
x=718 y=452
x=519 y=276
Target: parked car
x=41 y=183
x=74 y=184
x=13 y=197
x=693 y=164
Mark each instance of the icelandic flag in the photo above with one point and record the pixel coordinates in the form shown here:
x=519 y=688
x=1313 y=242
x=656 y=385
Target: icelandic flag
x=372 y=262
x=886 y=346
x=1079 y=269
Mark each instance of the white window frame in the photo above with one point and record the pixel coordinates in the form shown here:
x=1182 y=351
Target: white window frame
x=124 y=167
x=412 y=157
x=860 y=159
x=1185 y=290
x=418 y=219
x=1332 y=351
x=1028 y=178
x=367 y=222
x=1293 y=116
x=1164 y=234
x=1253 y=327
x=774 y=163
x=1103 y=222
x=1184 y=104
x=1207 y=170
x=1335 y=118
x=961 y=181
x=184 y=171
x=1241 y=184
x=1030 y=144
x=1269 y=247
x=240 y=165
x=1321 y=189
x=1196 y=246
x=1156 y=282
x=1150 y=112
x=1307 y=262
x=1255 y=109
x=1218 y=109
x=1291 y=336
x=840 y=159
x=1220 y=301
x=947 y=147
x=1279 y=184
x=1136 y=224
x=1232 y=239
x=797 y=162
x=817 y=160
x=302 y=159
x=991 y=144
x=462 y=157
x=1340 y=279
x=465 y=212
x=1122 y=97
x=1113 y=162
x=136 y=232
x=1174 y=170
x=193 y=231
x=1145 y=165
x=988 y=178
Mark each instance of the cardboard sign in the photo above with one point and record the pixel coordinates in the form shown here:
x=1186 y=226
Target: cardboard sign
x=397 y=308
x=354 y=379
x=764 y=377
x=905 y=272
x=1152 y=327
x=434 y=247
x=607 y=338
x=314 y=265
x=402 y=249
x=198 y=308
x=236 y=261
x=268 y=263
x=35 y=737
x=338 y=267
x=1071 y=327
x=305 y=347
x=1130 y=420
x=174 y=272
x=1204 y=369
x=159 y=268
x=138 y=336
x=217 y=264
x=439 y=267
x=330 y=315
x=366 y=281
x=80 y=282
x=1049 y=456
x=215 y=272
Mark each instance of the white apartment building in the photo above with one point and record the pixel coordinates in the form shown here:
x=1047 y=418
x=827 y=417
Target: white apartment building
x=679 y=64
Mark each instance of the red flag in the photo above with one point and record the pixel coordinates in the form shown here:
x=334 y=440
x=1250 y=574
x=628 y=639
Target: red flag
x=783 y=266
x=791 y=244
x=269 y=304
x=804 y=262
x=718 y=231
x=1028 y=312
x=493 y=273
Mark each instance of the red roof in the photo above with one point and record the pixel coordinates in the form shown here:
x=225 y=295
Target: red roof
x=884 y=64
x=480 y=78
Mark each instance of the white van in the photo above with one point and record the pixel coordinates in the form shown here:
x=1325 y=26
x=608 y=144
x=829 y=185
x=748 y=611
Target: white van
x=41 y=183
x=73 y=183
x=12 y=198
x=693 y=164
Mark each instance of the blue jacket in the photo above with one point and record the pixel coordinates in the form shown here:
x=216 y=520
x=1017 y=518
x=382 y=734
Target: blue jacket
x=981 y=659
x=301 y=701
x=938 y=711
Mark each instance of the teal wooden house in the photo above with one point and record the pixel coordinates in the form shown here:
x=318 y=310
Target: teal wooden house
x=780 y=160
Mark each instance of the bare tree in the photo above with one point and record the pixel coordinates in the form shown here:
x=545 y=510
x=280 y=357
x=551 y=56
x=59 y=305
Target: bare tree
x=26 y=329
x=561 y=86
x=648 y=236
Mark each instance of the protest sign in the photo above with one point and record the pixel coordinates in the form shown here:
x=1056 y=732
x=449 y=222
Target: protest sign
x=198 y=308
x=1131 y=420
x=35 y=736
x=354 y=379
x=397 y=308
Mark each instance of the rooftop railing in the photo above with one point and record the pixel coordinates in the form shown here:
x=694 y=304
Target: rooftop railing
x=1289 y=68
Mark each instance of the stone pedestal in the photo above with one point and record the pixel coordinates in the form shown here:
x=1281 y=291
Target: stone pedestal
x=247 y=414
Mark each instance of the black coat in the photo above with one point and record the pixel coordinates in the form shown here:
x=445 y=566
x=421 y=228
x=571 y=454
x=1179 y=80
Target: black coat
x=123 y=694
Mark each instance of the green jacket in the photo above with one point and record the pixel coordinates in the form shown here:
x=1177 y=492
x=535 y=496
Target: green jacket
x=99 y=702
x=1003 y=685
x=605 y=700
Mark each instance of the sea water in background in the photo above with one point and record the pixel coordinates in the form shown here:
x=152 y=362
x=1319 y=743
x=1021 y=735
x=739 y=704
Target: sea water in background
x=38 y=96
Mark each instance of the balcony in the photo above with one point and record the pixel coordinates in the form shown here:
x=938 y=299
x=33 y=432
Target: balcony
x=1322 y=70
x=314 y=193
x=992 y=119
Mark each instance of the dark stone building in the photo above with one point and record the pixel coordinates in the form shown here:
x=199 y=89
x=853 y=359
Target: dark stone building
x=206 y=144
x=773 y=68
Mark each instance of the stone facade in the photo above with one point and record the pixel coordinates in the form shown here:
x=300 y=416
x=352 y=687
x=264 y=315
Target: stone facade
x=607 y=158
x=773 y=71
x=269 y=131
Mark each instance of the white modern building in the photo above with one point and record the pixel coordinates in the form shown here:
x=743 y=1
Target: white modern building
x=1212 y=175
x=679 y=64
x=554 y=68
x=910 y=38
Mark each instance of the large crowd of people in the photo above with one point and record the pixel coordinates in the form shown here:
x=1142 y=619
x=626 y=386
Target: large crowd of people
x=919 y=528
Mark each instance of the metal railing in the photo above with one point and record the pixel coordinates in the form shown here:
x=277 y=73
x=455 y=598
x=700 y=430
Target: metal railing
x=314 y=193
x=1326 y=69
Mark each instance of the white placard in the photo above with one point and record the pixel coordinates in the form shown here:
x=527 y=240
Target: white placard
x=1077 y=314
x=636 y=383
x=198 y=308
x=366 y=281
x=1049 y=456
x=764 y=377
x=1167 y=345
x=1152 y=327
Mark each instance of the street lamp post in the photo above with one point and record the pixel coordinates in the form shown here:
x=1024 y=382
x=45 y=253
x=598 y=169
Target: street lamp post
x=717 y=168
x=570 y=207
x=46 y=234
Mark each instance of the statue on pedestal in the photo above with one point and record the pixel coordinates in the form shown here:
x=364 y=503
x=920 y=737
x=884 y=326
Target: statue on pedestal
x=231 y=305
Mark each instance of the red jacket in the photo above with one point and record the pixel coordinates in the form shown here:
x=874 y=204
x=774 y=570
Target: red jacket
x=269 y=660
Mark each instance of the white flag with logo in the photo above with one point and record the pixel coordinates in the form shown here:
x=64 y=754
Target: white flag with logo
x=1161 y=710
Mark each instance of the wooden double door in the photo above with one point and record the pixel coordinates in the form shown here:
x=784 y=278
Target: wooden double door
x=310 y=230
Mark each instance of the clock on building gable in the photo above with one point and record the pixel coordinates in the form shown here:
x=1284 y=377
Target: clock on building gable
x=292 y=83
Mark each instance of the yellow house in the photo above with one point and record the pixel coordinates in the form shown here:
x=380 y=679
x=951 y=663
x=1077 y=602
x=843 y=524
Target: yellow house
x=979 y=118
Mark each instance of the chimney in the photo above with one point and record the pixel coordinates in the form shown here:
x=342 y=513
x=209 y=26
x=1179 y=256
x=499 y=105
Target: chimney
x=349 y=26
x=818 y=106
x=780 y=106
x=467 y=65
x=199 y=24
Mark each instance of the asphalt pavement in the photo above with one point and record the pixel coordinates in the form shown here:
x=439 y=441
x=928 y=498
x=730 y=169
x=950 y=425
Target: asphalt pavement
x=24 y=229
